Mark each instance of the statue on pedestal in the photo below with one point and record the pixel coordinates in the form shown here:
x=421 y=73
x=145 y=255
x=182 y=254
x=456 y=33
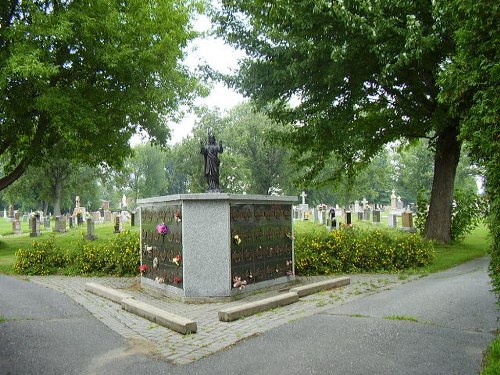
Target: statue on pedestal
x=212 y=162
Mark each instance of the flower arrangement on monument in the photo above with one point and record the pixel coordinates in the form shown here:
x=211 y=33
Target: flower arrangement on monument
x=143 y=268
x=177 y=260
x=177 y=280
x=236 y=239
x=178 y=217
x=162 y=228
x=238 y=283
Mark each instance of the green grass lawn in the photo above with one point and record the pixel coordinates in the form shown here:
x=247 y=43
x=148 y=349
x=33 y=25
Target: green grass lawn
x=10 y=243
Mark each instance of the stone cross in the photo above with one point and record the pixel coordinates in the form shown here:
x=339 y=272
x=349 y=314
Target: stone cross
x=365 y=202
x=303 y=195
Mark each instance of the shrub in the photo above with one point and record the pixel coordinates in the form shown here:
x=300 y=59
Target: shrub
x=352 y=250
x=118 y=257
x=467 y=211
x=43 y=258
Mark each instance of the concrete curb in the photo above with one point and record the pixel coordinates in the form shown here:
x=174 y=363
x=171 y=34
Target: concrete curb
x=236 y=312
x=174 y=322
x=306 y=290
x=106 y=292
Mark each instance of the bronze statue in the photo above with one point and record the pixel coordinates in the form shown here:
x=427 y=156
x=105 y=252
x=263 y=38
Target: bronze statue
x=212 y=162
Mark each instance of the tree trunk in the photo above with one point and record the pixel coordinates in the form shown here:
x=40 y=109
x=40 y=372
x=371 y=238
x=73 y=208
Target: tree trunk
x=438 y=224
x=57 y=196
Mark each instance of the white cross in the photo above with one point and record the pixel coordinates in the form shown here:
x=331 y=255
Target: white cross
x=303 y=195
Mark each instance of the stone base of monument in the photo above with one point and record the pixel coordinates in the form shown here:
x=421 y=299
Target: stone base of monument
x=209 y=247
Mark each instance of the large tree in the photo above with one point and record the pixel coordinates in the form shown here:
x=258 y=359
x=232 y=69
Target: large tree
x=86 y=75
x=471 y=85
x=363 y=73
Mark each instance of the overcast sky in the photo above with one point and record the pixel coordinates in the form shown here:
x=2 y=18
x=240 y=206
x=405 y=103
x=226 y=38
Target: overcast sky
x=220 y=57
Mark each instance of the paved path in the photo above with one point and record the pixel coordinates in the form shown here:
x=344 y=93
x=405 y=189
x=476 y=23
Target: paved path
x=343 y=331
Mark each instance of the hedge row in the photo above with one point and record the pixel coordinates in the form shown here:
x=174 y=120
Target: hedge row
x=351 y=249
x=119 y=257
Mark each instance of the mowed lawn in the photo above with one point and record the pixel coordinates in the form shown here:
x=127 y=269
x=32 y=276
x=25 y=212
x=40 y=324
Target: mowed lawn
x=10 y=243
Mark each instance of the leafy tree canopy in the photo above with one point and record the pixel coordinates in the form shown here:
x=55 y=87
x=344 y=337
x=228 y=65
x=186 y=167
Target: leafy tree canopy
x=364 y=73
x=86 y=75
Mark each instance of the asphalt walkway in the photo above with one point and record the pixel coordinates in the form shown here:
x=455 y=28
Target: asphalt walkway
x=212 y=335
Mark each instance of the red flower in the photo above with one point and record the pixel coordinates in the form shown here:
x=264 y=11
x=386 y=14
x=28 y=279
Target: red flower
x=177 y=280
x=143 y=268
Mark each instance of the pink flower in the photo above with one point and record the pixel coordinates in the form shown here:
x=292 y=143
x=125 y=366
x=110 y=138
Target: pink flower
x=162 y=229
x=143 y=268
x=177 y=280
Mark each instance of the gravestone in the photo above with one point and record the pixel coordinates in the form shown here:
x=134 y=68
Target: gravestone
x=107 y=216
x=400 y=204
x=60 y=224
x=360 y=215
x=364 y=202
x=392 y=220
x=356 y=206
x=46 y=223
x=35 y=227
x=10 y=213
x=90 y=230
x=407 y=221
x=394 y=201
x=366 y=214
x=16 y=226
x=70 y=221
x=348 y=219
x=79 y=219
x=17 y=215
x=96 y=216
x=132 y=219
x=118 y=225
x=376 y=217
x=4 y=213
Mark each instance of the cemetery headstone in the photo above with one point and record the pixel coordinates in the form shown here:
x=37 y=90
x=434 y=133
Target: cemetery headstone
x=365 y=203
x=46 y=223
x=394 y=201
x=17 y=215
x=10 y=212
x=366 y=214
x=35 y=227
x=407 y=221
x=4 y=213
x=132 y=219
x=356 y=206
x=79 y=218
x=348 y=219
x=392 y=220
x=60 y=224
x=376 y=217
x=107 y=216
x=16 y=226
x=90 y=230
x=118 y=225
x=70 y=221
x=360 y=215
x=400 y=204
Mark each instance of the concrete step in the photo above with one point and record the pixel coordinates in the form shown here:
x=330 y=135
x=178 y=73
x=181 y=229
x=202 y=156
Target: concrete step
x=174 y=322
x=308 y=289
x=250 y=308
x=106 y=292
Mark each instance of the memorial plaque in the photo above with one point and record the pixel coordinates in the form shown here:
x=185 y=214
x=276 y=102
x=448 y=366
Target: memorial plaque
x=162 y=246
x=261 y=242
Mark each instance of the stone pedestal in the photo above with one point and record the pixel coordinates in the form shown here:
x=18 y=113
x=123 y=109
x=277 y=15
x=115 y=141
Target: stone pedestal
x=216 y=245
